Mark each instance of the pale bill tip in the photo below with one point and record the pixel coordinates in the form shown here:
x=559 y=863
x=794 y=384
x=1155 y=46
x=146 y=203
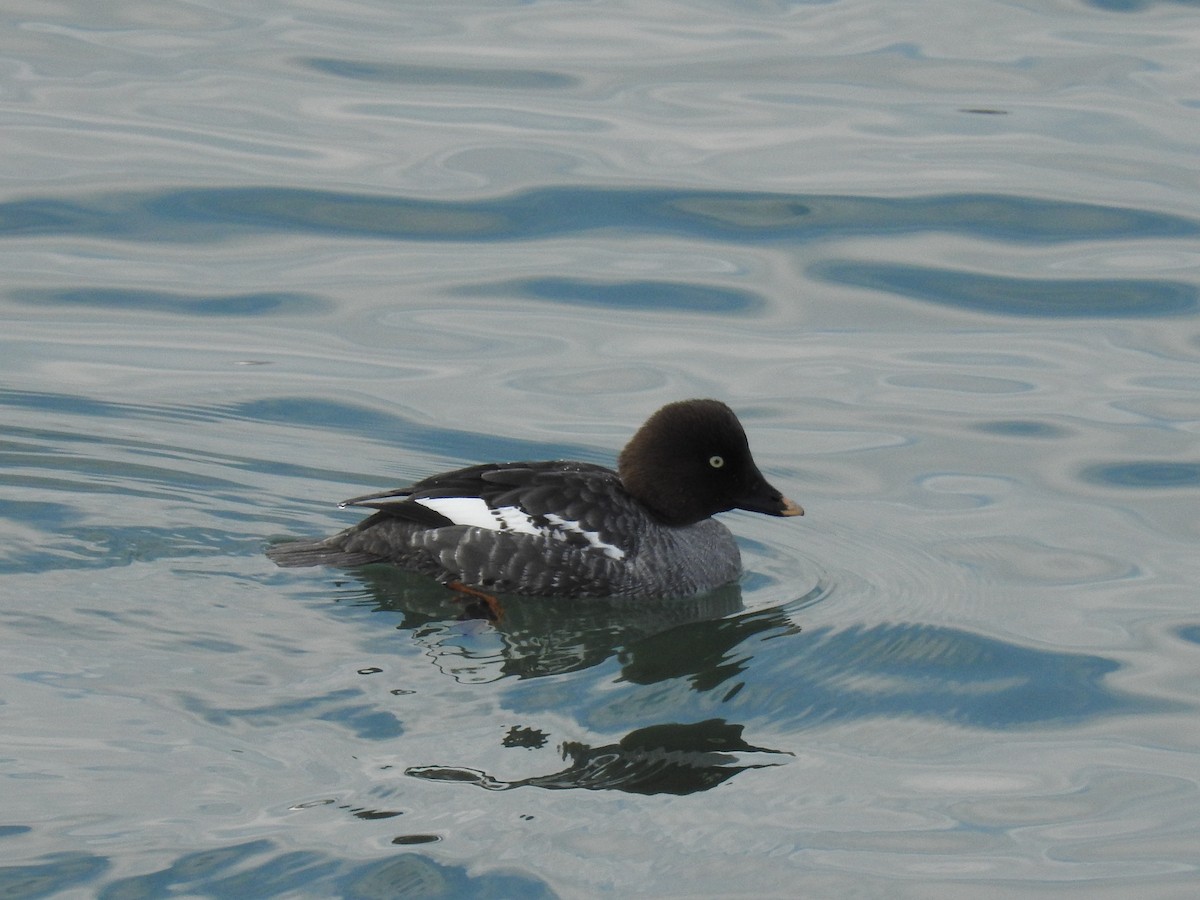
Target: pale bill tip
x=791 y=508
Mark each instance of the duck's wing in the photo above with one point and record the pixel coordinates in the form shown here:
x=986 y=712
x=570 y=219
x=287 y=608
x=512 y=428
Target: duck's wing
x=580 y=503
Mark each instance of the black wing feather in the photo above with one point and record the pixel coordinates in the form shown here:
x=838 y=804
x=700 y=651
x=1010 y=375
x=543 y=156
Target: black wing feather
x=567 y=489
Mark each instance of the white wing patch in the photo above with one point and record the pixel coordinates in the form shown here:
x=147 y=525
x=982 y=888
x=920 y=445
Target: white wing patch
x=474 y=512
x=612 y=551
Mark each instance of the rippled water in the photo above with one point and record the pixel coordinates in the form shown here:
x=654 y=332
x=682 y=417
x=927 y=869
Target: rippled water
x=942 y=260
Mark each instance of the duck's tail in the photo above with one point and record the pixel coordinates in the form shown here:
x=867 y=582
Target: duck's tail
x=328 y=552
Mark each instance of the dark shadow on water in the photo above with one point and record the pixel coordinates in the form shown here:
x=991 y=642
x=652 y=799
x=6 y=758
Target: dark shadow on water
x=52 y=874
x=661 y=296
x=1007 y=296
x=778 y=677
x=1021 y=428
x=661 y=759
x=440 y=76
x=1133 y=6
x=671 y=675
x=261 y=868
x=175 y=303
x=535 y=636
x=1190 y=633
x=1145 y=474
x=824 y=674
x=216 y=214
x=715 y=651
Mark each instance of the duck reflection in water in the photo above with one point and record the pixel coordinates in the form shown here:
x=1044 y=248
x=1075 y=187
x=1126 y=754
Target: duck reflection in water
x=536 y=636
x=661 y=759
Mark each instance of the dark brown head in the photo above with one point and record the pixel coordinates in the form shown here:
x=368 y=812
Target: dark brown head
x=691 y=459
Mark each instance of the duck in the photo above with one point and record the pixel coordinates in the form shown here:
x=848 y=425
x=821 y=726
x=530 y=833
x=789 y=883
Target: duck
x=571 y=530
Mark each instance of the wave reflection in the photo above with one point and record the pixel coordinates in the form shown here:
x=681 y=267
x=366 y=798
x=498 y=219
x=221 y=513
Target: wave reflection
x=214 y=214
x=1006 y=295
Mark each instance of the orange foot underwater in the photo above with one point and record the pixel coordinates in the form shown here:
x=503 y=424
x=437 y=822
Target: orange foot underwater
x=481 y=605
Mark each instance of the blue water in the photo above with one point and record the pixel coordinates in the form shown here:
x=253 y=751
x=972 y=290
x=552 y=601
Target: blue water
x=944 y=262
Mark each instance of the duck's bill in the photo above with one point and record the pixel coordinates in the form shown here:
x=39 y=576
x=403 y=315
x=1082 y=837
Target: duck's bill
x=790 y=508
x=771 y=504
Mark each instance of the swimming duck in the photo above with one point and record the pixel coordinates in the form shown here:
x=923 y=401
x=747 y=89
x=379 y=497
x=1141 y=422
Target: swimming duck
x=572 y=529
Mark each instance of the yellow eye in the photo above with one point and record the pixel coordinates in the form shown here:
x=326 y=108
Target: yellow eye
x=716 y=461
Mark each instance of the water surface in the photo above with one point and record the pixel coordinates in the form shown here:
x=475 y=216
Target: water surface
x=943 y=262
